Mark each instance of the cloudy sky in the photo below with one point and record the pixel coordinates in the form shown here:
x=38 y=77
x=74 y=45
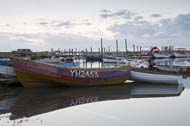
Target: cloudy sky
x=45 y=24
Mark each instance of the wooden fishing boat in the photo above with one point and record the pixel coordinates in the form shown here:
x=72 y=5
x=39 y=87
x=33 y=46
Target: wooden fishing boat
x=154 y=76
x=37 y=74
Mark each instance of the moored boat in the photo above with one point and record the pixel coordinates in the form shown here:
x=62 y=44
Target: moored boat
x=37 y=74
x=61 y=61
x=7 y=74
x=154 y=76
x=157 y=54
x=180 y=53
x=160 y=56
x=94 y=58
x=112 y=59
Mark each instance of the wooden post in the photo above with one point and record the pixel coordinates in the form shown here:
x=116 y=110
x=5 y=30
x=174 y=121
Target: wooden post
x=101 y=47
x=133 y=48
x=86 y=51
x=69 y=51
x=109 y=49
x=117 y=47
x=126 y=46
x=75 y=51
x=91 y=50
x=72 y=52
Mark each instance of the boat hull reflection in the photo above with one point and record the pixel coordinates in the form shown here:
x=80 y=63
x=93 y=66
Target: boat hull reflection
x=32 y=102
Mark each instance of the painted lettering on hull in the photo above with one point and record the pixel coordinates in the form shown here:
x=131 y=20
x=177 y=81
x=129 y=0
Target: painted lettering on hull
x=84 y=73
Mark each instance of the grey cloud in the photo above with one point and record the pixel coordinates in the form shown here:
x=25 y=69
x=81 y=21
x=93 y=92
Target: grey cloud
x=43 y=23
x=68 y=24
x=139 y=28
x=85 y=22
x=65 y=23
x=175 y=30
x=120 y=13
x=138 y=18
x=156 y=15
x=183 y=22
x=105 y=11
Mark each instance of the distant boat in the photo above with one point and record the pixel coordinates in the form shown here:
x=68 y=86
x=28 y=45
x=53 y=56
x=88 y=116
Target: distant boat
x=160 y=56
x=49 y=60
x=157 y=54
x=38 y=74
x=94 y=58
x=144 y=55
x=112 y=59
x=180 y=53
x=61 y=61
x=7 y=74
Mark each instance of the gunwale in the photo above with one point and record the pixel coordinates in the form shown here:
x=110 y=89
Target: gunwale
x=155 y=71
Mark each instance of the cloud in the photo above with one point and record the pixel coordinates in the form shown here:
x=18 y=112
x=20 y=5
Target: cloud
x=10 y=41
x=105 y=11
x=156 y=15
x=44 y=23
x=138 y=18
x=45 y=41
x=30 y=39
x=65 y=23
x=183 y=22
x=138 y=28
x=120 y=13
x=174 y=30
x=83 y=33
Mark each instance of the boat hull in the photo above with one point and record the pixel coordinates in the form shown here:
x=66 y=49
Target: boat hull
x=7 y=75
x=7 y=70
x=160 y=56
x=180 y=55
x=35 y=74
x=154 y=78
x=114 y=60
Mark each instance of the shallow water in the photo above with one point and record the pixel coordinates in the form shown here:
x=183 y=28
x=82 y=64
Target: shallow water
x=130 y=104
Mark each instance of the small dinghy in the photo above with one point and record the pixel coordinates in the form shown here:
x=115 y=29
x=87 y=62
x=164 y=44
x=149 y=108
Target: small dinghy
x=154 y=76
